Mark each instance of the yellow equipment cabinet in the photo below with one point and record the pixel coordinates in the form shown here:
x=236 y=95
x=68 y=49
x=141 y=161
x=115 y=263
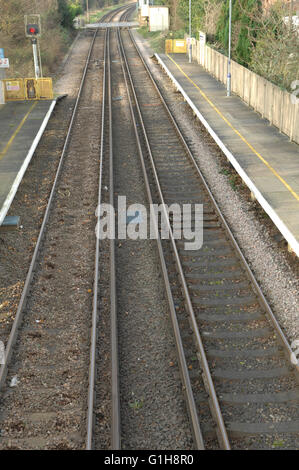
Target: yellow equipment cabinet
x=175 y=46
x=179 y=45
x=45 y=88
x=168 y=46
x=38 y=89
x=28 y=89
x=14 y=89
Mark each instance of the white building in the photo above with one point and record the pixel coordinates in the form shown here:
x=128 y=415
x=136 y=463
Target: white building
x=158 y=18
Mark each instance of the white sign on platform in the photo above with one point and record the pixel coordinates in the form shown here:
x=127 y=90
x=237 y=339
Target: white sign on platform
x=202 y=38
x=4 y=63
x=12 y=86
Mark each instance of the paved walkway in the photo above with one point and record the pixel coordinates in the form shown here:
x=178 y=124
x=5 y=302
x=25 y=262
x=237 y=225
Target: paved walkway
x=265 y=159
x=21 y=126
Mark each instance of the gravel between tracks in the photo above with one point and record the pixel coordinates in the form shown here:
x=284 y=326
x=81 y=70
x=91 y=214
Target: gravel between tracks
x=276 y=275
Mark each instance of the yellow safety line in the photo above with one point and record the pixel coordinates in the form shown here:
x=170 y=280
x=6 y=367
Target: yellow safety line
x=296 y=196
x=16 y=131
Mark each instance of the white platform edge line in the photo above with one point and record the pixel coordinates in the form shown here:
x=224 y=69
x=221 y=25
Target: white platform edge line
x=19 y=177
x=293 y=243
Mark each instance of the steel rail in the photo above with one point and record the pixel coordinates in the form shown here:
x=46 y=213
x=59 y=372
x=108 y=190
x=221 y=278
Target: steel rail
x=93 y=345
x=24 y=297
x=191 y=406
x=111 y=14
x=216 y=411
x=264 y=303
x=128 y=12
x=115 y=430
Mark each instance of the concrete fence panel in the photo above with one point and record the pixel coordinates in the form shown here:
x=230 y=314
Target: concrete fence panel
x=287 y=114
x=253 y=91
x=277 y=101
x=295 y=123
x=268 y=101
x=260 y=96
x=246 y=93
x=225 y=70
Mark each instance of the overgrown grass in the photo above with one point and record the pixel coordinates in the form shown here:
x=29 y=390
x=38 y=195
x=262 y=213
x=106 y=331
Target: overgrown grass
x=179 y=34
x=156 y=38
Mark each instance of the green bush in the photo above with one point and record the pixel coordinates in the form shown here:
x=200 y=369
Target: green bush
x=196 y=14
x=179 y=34
x=242 y=23
x=68 y=11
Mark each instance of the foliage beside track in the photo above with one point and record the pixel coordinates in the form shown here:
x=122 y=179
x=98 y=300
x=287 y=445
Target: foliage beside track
x=156 y=38
x=97 y=14
x=57 y=33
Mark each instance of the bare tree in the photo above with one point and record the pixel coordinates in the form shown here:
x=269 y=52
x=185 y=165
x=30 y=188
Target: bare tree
x=212 y=11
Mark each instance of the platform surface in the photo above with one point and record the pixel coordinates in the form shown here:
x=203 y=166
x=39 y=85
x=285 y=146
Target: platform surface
x=20 y=122
x=265 y=159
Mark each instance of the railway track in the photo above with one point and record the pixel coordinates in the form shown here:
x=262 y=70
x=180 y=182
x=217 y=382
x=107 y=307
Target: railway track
x=107 y=175
x=107 y=156
x=33 y=384
x=240 y=384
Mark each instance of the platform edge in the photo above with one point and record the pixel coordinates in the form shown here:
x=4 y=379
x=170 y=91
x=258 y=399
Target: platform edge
x=289 y=237
x=10 y=197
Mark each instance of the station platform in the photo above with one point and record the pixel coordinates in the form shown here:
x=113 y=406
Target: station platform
x=265 y=159
x=22 y=124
